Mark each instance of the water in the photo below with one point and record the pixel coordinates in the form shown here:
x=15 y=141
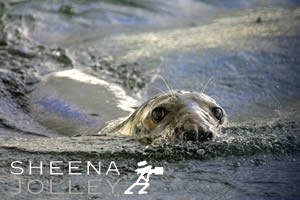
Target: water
x=248 y=49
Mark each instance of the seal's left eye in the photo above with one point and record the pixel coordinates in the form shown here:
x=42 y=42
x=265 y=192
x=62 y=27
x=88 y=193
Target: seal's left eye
x=158 y=114
x=218 y=113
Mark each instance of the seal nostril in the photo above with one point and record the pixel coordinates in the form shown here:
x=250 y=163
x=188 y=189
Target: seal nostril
x=190 y=136
x=209 y=135
x=205 y=136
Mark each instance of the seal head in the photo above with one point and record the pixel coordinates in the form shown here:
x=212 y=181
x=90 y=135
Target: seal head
x=176 y=116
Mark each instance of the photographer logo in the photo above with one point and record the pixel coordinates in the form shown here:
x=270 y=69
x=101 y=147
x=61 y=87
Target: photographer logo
x=144 y=171
x=64 y=172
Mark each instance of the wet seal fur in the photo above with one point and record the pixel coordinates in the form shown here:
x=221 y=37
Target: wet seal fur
x=173 y=116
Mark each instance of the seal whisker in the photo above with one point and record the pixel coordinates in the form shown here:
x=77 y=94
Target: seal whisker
x=166 y=83
x=206 y=84
x=162 y=91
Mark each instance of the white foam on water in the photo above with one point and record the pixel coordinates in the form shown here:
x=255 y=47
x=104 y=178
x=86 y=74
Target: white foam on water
x=125 y=102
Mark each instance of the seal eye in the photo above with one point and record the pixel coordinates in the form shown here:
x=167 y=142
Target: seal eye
x=218 y=113
x=158 y=114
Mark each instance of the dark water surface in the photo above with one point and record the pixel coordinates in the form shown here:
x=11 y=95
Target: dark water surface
x=68 y=67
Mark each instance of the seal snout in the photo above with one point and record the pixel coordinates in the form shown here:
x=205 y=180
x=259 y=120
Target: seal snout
x=195 y=133
x=195 y=123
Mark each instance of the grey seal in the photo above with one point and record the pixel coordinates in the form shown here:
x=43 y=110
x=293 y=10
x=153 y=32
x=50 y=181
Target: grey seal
x=174 y=116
